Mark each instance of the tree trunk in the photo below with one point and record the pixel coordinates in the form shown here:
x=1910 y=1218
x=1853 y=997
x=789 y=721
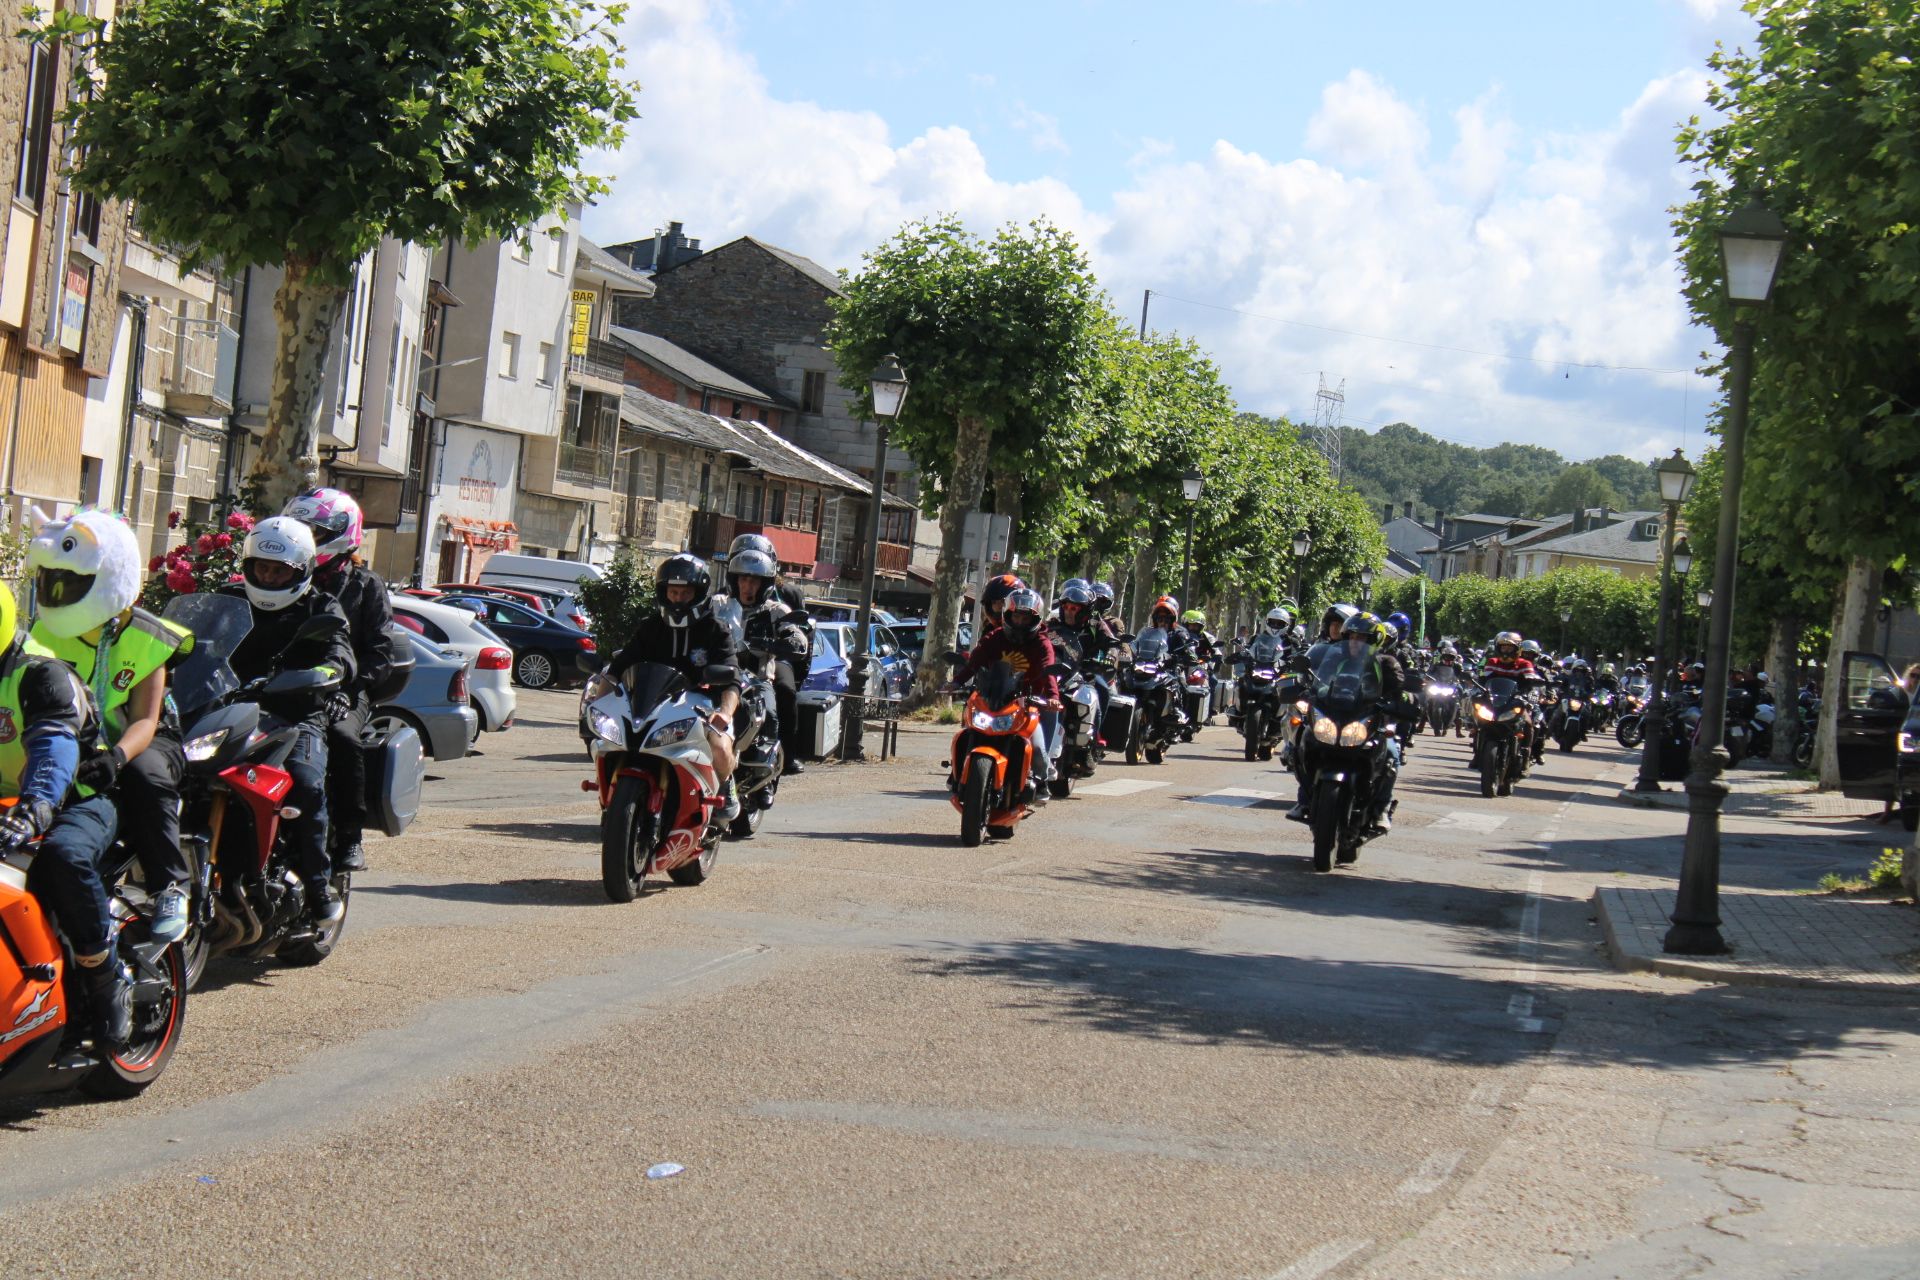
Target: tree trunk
x=1145 y=561
x=1852 y=620
x=304 y=313
x=1782 y=652
x=972 y=437
x=1008 y=490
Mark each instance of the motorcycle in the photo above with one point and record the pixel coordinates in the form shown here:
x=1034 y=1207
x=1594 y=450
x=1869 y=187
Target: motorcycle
x=1567 y=721
x=1503 y=743
x=990 y=772
x=1153 y=697
x=1263 y=710
x=1347 y=755
x=1080 y=747
x=246 y=899
x=654 y=776
x=1443 y=705
x=1197 y=700
x=49 y=1044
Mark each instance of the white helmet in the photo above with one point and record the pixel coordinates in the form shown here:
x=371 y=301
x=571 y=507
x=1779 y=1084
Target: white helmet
x=86 y=569
x=278 y=540
x=1278 y=619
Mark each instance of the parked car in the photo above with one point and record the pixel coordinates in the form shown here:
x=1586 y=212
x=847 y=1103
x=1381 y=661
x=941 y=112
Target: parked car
x=490 y=659
x=1877 y=736
x=832 y=647
x=843 y=611
x=511 y=569
x=553 y=602
x=434 y=701
x=545 y=650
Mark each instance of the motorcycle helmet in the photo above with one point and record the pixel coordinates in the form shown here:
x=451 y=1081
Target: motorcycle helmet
x=86 y=570
x=277 y=540
x=334 y=517
x=1071 y=583
x=1506 y=644
x=1167 y=605
x=1195 y=617
x=752 y=563
x=1077 y=596
x=1021 y=615
x=1299 y=633
x=1364 y=626
x=1102 y=597
x=994 y=598
x=752 y=542
x=1402 y=624
x=1278 y=620
x=1389 y=636
x=683 y=570
x=1335 y=619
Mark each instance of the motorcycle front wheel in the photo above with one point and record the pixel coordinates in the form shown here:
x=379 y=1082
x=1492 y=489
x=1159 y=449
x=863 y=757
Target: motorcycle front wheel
x=1492 y=769
x=623 y=865
x=1629 y=731
x=156 y=1030
x=1327 y=809
x=1250 y=726
x=974 y=785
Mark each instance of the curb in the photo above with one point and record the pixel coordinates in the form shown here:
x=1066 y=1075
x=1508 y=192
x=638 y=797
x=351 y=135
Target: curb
x=1677 y=799
x=1705 y=971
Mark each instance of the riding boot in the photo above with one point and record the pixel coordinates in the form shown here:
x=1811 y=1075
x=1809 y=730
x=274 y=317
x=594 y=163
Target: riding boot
x=110 y=988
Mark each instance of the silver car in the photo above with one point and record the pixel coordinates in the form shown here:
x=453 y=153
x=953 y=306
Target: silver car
x=435 y=700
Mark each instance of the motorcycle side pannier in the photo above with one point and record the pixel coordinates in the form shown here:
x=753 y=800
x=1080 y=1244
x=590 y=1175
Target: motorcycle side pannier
x=1118 y=726
x=396 y=770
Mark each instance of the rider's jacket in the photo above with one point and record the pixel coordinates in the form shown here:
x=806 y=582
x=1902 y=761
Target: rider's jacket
x=1029 y=658
x=136 y=645
x=362 y=596
x=705 y=642
x=44 y=716
x=269 y=646
x=1512 y=668
x=774 y=627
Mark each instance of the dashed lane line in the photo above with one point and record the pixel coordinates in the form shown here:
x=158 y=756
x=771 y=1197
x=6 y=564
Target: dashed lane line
x=1463 y=820
x=1240 y=798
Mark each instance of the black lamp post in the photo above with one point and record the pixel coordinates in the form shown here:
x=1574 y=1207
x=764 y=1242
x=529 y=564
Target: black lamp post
x=1751 y=243
x=1676 y=485
x=1366 y=584
x=1704 y=599
x=1302 y=547
x=889 y=387
x=1190 y=486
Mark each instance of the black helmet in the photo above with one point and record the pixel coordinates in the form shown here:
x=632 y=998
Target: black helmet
x=1079 y=594
x=1336 y=615
x=752 y=563
x=683 y=570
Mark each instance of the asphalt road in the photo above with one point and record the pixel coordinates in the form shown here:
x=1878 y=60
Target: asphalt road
x=1141 y=1038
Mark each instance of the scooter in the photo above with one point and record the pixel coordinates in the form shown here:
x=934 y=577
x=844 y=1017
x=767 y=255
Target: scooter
x=654 y=776
x=990 y=772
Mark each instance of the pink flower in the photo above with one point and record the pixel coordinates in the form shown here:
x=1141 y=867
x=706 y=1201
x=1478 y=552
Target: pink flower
x=223 y=540
x=240 y=520
x=173 y=519
x=204 y=543
x=153 y=565
x=181 y=580
x=234 y=577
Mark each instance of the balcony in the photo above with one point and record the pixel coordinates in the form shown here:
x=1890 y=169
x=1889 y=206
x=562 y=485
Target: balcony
x=602 y=368
x=796 y=549
x=636 y=518
x=892 y=562
x=589 y=466
x=197 y=382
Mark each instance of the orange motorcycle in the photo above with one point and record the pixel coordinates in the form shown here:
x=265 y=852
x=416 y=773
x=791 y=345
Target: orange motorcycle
x=47 y=1041
x=991 y=772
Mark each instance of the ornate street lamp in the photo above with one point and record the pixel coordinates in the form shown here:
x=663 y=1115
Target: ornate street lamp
x=1302 y=547
x=1676 y=486
x=1190 y=486
x=888 y=385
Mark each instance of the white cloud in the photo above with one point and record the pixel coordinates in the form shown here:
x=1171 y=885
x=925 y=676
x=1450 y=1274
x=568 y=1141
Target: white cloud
x=1042 y=130
x=1497 y=239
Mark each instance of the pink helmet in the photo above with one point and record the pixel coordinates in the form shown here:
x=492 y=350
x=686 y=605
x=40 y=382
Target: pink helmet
x=335 y=519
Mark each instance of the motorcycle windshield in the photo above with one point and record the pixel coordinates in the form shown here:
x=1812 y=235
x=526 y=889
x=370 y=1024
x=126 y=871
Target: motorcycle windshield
x=997 y=685
x=219 y=623
x=651 y=683
x=1150 y=645
x=1501 y=691
x=1068 y=644
x=1346 y=675
x=727 y=612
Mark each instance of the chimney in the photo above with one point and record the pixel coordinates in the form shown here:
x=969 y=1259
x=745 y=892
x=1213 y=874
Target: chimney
x=1440 y=519
x=1406 y=509
x=1386 y=513
x=1579 y=522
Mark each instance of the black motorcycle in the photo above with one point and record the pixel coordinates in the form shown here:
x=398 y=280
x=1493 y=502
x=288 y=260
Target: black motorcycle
x=1152 y=689
x=1266 y=692
x=1503 y=743
x=1442 y=698
x=1346 y=754
x=1567 y=719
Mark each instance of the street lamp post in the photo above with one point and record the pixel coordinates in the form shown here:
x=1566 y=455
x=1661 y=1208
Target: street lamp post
x=1190 y=486
x=1703 y=598
x=889 y=387
x=1302 y=546
x=1751 y=243
x=1676 y=486
x=1366 y=584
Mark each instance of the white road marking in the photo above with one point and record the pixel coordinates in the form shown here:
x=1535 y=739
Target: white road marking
x=1521 y=1005
x=1239 y=797
x=1528 y=969
x=1322 y=1260
x=1120 y=787
x=1484 y=1099
x=1462 y=820
x=1432 y=1173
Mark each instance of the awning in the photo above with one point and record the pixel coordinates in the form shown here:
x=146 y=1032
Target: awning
x=499 y=535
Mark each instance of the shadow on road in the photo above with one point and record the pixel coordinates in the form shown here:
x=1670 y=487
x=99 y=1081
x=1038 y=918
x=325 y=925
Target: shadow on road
x=543 y=892
x=912 y=839
x=575 y=832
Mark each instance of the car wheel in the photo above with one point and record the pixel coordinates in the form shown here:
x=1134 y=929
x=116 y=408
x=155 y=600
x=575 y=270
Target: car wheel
x=533 y=669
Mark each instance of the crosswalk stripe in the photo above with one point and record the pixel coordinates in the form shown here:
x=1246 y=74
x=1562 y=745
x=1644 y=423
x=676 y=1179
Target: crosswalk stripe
x=1240 y=797
x=1119 y=787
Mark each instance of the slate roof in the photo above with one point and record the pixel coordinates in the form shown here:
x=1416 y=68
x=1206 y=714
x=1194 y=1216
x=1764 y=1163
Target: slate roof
x=1615 y=542
x=681 y=362
x=618 y=273
x=804 y=265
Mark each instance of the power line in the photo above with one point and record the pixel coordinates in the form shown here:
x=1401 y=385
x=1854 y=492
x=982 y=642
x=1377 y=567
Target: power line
x=1430 y=346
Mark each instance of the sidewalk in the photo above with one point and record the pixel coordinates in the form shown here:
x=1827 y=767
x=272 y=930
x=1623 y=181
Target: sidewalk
x=1778 y=939
x=1763 y=790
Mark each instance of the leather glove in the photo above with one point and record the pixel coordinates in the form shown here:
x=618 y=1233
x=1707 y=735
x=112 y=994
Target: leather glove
x=102 y=771
x=339 y=707
x=23 y=822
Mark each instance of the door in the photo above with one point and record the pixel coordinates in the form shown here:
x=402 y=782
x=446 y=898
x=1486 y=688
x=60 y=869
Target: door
x=1872 y=708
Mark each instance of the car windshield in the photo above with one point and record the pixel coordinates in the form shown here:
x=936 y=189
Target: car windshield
x=219 y=623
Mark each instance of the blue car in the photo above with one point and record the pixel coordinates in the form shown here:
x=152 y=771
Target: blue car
x=832 y=648
x=545 y=650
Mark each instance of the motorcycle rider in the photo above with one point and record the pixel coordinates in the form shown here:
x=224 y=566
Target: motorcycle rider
x=335 y=521
x=771 y=629
x=682 y=633
x=1446 y=670
x=1078 y=631
x=1332 y=623
x=87 y=572
x=1206 y=651
x=1365 y=633
x=276 y=581
x=1021 y=642
x=993 y=600
x=1506 y=658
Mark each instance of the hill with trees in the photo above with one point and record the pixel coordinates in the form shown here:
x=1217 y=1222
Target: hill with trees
x=1400 y=463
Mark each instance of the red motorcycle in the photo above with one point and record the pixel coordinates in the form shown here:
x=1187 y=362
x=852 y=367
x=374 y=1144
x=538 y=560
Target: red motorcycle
x=990 y=774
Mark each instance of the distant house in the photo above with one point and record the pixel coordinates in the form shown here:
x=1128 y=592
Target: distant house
x=1409 y=542
x=1474 y=543
x=1622 y=542
x=670 y=371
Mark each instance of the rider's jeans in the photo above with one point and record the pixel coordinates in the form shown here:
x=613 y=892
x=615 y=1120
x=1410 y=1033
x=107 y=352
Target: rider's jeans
x=307 y=834
x=66 y=873
x=1049 y=740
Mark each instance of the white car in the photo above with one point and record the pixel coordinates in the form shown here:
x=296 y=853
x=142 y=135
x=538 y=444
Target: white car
x=489 y=660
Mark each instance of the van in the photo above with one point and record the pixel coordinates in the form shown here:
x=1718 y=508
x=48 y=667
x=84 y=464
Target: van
x=508 y=569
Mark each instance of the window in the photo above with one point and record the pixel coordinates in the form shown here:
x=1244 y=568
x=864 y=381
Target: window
x=813 y=391
x=777 y=507
x=521 y=247
x=545 y=375
x=36 y=126
x=509 y=354
x=556 y=250
x=393 y=358
x=659 y=475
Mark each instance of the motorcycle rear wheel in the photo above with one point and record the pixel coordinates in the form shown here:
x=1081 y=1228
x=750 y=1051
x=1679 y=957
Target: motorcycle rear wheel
x=623 y=866
x=1060 y=786
x=974 y=785
x=1133 y=743
x=156 y=1031
x=747 y=825
x=1326 y=823
x=697 y=871
x=1629 y=731
x=1155 y=755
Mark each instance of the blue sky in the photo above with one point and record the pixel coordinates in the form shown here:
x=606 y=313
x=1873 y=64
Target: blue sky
x=1489 y=177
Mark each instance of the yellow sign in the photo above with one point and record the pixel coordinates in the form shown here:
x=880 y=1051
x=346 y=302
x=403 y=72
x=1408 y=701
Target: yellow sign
x=582 y=320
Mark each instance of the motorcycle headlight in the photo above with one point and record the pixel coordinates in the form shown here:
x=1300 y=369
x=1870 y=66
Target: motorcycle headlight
x=1325 y=730
x=674 y=731
x=1354 y=734
x=1441 y=690
x=204 y=746
x=1573 y=704
x=1481 y=711
x=598 y=686
x=1302 y=708
x=606 y=726
x=1510 y=713
x=987 y=722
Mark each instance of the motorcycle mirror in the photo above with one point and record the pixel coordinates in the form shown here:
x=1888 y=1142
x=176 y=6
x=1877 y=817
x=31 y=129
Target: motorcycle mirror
x=1060 y=669
x=303 y=680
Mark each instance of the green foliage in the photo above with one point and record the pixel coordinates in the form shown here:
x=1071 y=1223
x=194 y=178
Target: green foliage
x=206 y=558
x=1883 y=876
x=1580 y=487
x=1611 y=613
x=302 y=131
x=1399 y=463
x=618 y=601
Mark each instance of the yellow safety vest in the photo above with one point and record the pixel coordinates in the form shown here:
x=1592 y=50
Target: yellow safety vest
x=136 y=648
